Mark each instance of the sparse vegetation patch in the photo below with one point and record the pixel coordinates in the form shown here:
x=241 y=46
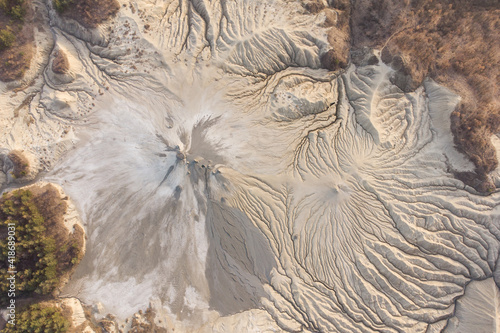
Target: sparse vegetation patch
x=89 y=13
x=16 y=38
x=7 y=39
x=60 y=64
x=21 y=164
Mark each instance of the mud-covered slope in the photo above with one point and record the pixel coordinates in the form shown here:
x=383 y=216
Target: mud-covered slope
x=232 y=184
x=457 y=44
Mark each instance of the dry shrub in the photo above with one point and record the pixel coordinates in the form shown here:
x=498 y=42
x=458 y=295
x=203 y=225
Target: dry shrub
x=340 y=4
x=330 y=60
x=330 y=18
x=472 y=130
x=60 y=64
x=21 y=164
x=314 y=7
x=339 y=38
x=91 y=13
x=148 y=325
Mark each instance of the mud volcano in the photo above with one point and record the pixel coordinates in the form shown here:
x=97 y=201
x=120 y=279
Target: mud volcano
x=232 y=184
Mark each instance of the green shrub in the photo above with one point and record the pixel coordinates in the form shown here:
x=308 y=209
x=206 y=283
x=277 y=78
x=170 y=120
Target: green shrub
x=7 y=38
x=37 y=318
x=13 y=8
x=4 y=6
x=61 y=5
x=18 y=12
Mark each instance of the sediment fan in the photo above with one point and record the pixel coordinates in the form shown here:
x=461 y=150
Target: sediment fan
x=227 y=173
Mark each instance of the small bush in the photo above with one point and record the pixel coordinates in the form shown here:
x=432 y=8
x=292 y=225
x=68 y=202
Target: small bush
x=13 y=8
x=37 y=318
x=21 y=163
x=61 y=5
x=7 y=39
x=339 y=4
x=18 y=12
x=330 y=61
x=60 y=64
x=314 y=7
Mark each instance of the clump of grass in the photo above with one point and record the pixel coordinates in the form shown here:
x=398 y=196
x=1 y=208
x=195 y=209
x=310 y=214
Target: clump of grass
x=7 y=39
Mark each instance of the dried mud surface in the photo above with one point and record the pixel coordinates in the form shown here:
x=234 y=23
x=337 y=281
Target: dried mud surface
x=278 y=166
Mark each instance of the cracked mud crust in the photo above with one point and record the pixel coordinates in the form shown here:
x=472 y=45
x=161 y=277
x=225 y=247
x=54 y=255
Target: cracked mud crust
x=268 y=166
